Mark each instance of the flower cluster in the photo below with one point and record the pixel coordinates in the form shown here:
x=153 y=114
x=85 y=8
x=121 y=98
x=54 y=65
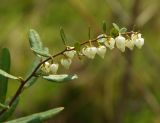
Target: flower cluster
x=50 y=68
x=104 y=42
x=65 y=62
x=122 y=42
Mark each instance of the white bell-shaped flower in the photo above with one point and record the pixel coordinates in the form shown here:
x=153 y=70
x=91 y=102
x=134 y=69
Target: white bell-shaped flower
x=102 y=38
x=130 y=44
x=110 y=43
x=101 y=50
x=90 y=52
x=54 y=68
x=66 y=63
x=70 y=54
x=120 y=42
x=139 y=42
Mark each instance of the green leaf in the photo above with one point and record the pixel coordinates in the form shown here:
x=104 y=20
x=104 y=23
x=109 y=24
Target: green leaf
x=116 y=27
x=2 y=106
x=41 y=52
x=60 y=78
x=123 y=30
x=38 y=117
x=63 y=36
x=5 y=74
x=104 y=27
x=5 y=65
x=34 y=40
x=114 y=33
x=9 y=112
x=36 y=44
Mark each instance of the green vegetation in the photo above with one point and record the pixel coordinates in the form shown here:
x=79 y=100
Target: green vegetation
x=121 y=88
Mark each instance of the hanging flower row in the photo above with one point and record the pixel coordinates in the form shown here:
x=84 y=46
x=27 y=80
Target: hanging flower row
x=120 y=39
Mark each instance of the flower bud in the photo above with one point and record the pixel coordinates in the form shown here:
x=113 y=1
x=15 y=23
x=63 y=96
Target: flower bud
x=54 y=68
x=102 y=38
x=101 y=50
x=66 y=63
x=110 y=43
x=90 y=52
x=70 y=54
x=120 y=43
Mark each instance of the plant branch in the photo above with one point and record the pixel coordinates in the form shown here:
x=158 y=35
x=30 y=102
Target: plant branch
x=20 y=88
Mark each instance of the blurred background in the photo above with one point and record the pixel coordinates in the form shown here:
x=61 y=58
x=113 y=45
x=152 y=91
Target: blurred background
x=122 y=88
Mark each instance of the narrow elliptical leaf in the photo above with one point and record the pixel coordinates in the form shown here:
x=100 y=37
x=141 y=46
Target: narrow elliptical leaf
x=60 y=78
x=116 y=27
x=5 y=74
x=38 y=117
x=5 y=65
x=34 y=39
x=36 y=44
x=63 y=36
x=2 y=106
